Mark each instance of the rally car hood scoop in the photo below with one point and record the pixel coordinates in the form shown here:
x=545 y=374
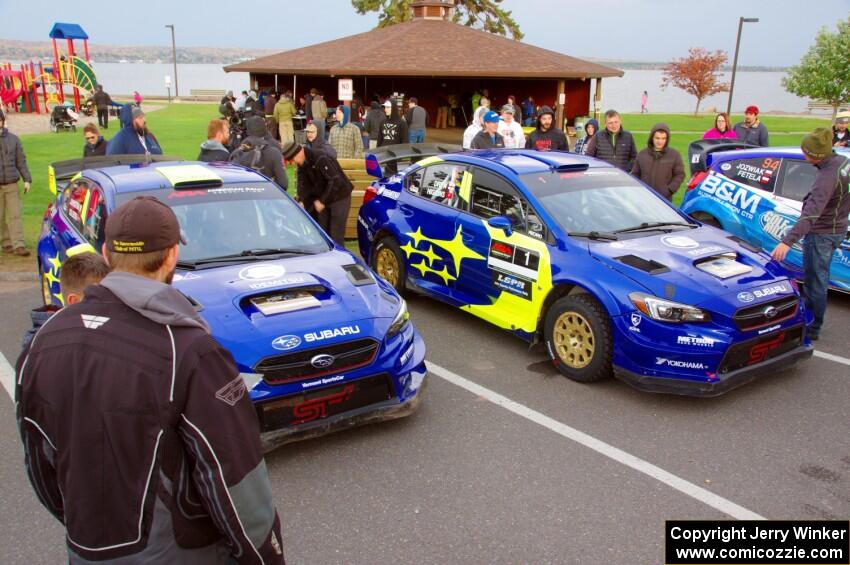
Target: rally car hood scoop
x=250 y=304
x=688 y=266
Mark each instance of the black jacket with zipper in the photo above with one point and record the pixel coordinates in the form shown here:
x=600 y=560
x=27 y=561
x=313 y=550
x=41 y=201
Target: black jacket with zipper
x=13 y=162
x=139 y=434
x=622 y=156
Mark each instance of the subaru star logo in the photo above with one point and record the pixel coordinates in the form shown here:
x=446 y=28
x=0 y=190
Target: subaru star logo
x=746 y=296
x=286 y=342
x=636 y=319
x=770 y=312
x=322 y=361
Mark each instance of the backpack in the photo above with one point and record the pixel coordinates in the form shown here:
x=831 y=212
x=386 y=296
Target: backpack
x=250 y=156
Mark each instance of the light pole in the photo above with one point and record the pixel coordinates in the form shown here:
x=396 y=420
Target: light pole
x=174 y=58
x=741 y=22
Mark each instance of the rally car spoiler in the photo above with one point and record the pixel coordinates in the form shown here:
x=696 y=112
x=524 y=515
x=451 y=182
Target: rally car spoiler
x=379 y=157
x=698 y=151
x=63 y=172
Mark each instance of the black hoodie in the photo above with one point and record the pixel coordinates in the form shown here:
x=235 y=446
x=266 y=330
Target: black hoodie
x=662 y=170
x=552 y=139
x=375 y=118
x=98 y=149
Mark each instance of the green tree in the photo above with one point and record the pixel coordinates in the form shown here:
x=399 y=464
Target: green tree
x=823 y=71
x=481 y=14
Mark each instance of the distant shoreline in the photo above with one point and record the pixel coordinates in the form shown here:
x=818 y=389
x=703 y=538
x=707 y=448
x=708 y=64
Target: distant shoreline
x=16 y=50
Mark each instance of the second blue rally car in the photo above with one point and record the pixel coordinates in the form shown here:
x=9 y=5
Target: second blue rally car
x=321 y=342
x=577 y=254
x=757 y=194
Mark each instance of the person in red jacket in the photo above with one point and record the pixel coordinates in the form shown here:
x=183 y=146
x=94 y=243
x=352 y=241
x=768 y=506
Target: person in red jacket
x=133 y=416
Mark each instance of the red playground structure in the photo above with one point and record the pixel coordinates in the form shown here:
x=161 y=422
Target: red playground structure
x=69 y=77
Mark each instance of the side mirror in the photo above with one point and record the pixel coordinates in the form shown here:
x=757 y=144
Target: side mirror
x=501 y=223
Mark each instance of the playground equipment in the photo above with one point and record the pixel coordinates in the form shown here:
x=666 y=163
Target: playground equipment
x=68 y=76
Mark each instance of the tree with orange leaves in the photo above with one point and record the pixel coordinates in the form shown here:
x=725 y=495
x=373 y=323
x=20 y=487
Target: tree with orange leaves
x=696 y=74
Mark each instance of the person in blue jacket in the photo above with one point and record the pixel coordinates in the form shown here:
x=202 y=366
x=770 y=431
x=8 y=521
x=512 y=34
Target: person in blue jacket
x=134 y=138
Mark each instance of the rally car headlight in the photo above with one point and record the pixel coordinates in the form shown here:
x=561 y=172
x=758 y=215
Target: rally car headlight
x=667 y=310
x=251 y=379
x=402 y=318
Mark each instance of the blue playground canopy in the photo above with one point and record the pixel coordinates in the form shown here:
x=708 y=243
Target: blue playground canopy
x=67 y=31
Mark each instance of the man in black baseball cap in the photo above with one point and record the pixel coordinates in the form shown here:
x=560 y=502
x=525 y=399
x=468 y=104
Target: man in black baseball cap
x=323 y=188
x=133 y=415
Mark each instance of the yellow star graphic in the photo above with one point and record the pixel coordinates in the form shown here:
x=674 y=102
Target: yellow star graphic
x=454 y=247
x=417 y=236
x=428 y=253
x=51 y=278
x=55 y=262
x=443 y=274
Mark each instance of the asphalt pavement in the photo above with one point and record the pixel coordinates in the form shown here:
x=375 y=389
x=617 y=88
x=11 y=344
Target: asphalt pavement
x=520 y=465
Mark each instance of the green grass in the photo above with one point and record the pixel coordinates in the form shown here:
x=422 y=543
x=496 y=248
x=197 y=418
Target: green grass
x=180 y=129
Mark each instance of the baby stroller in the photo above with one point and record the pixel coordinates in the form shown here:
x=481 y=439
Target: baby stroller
x=62 y=118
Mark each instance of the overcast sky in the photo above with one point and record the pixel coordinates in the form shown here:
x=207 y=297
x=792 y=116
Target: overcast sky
x=653 y=30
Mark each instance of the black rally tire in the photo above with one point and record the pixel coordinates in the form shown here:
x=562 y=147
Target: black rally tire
x=577 y=333
x=381 y=262
x=708 y=220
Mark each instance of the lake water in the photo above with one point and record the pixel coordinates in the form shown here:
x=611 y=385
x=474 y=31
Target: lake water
x=764 y=89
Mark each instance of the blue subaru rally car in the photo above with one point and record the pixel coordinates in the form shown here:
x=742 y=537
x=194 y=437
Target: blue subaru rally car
x=572 y=252
x=320 y=341
x=757 y=195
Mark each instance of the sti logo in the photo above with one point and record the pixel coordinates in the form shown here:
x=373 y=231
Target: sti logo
x=728 y=191
x=760 y=351
x=318 y=407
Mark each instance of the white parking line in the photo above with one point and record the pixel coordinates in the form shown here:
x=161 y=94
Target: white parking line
x=686 y=487
x=831 y=357
x=7 y=376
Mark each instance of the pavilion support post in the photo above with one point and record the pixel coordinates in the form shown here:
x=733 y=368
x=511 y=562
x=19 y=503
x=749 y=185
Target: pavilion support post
x=560 y=98
x=597 y=100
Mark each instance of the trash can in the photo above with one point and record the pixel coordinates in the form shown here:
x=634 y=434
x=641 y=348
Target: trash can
x=300 y=137
x=579 y=125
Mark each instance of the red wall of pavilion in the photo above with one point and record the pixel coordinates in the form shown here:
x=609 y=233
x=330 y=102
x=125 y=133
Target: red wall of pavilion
x=426 y=90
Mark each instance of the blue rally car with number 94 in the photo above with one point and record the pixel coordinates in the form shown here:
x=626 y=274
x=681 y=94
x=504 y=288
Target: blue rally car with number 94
x=569 y=251
x=321 y=342
x=757 y=194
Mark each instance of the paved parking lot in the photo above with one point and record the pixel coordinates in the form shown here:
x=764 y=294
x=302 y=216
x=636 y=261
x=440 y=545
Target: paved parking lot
x=507 y=462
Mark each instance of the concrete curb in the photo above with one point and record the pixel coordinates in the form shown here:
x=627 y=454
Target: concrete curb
x=13 y=276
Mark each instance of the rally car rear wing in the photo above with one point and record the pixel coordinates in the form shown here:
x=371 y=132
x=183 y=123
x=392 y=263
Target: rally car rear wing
x=698 y=151
x=60 y=173
x=388 y=156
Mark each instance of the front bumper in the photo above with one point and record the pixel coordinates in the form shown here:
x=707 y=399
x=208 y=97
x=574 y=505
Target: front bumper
x=722 y=384
x=389 y=410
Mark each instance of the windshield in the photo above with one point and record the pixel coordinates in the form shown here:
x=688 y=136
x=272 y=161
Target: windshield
x=232 y=219
x=599 y=200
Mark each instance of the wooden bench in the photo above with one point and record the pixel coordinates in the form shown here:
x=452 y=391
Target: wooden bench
x=207 y=92
x=355 y=170
x=819 y=105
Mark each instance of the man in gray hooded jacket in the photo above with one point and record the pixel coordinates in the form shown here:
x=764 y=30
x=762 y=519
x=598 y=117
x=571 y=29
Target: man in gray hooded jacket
x=133 y=416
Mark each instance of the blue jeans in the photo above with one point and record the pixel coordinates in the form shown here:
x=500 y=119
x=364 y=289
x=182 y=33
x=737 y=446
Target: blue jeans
x=817 y=256
x=416 y=136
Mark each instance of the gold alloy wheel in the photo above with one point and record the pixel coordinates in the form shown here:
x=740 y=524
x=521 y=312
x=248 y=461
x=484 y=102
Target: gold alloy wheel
x=387 y=265
x=574 y=340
